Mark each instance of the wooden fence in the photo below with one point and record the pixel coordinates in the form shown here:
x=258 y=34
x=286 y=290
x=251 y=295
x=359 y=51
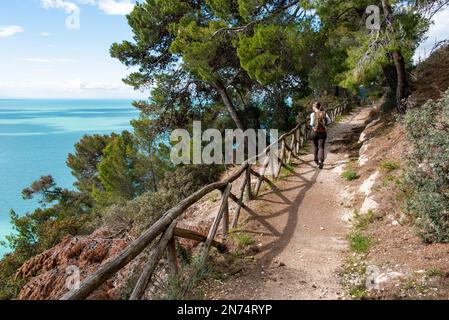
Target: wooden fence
x=165 y=228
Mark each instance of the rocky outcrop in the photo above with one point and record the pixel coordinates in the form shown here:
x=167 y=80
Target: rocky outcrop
x=53 y=272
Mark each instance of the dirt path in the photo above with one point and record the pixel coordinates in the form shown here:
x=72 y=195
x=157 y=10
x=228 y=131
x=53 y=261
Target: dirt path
x=300 y=229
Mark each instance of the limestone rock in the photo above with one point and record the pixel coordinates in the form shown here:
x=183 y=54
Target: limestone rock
x=369 y=183
x=369 y=204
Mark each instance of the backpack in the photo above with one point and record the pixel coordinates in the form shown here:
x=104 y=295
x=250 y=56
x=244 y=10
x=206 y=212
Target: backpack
x=320 y=122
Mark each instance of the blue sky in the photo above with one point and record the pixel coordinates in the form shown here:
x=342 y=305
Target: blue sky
x=438 y=31
x=41 y=56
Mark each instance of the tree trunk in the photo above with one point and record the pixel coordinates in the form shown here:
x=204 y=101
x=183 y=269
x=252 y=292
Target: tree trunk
x=229 y=105
x=153 y=178
x=399 y=63
x=391 y=76
x=402 y=87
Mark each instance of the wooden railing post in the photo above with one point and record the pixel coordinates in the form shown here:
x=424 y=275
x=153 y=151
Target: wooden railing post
x=262 y=173
x=225 y=213
x=249 y=191
x=235 y=221
x=214 y=228
x=290 y=152
x=153 y=261
x=281 y=159
x=172 y=257
x=298 y=141
x=306 y=134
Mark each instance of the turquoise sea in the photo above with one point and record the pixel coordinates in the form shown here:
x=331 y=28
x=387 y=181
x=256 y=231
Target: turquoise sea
x=37 y=135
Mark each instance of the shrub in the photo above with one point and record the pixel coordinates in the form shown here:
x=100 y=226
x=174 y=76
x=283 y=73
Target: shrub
x=286 y=170
x=143 y=211
x=427 y=172
x=243 y=239
x=389 y=165
x=188 y=179
x=362 y=221
x=359 y=242
x=350 y=175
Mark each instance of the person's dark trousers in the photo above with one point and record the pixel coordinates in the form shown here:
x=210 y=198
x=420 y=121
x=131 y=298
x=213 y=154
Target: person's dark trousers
x=319 y=142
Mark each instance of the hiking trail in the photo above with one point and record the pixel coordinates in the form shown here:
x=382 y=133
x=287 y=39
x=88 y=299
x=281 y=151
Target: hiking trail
x=300 y=227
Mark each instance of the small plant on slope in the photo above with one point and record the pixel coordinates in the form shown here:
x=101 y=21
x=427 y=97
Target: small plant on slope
x=359 y=242
x=389 y=165
x=350 y=175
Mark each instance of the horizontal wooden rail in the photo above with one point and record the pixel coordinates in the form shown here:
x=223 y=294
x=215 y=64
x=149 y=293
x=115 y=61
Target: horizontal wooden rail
x=195 y=236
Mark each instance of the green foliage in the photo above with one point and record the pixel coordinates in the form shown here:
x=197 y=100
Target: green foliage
x=45 y=227
x=179 y=289
x=427 y=169
x=140 y=213
x=353 y=276
x=130 y=166
x=362 y=221
x=188 y=179
x=243 y=239
x=369 y=53
x=9 y=286
x=435 y=273
x=390 y=165
x=287 y=170
x=350 y=175
x=358 y=292
x=200 y=50
x=359 y=242
x=83 y=163
x=121 y=171
x=257 y=50
x=271 y=51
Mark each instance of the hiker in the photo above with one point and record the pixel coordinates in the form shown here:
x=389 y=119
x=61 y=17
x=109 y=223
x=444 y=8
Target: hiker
x=319 y=120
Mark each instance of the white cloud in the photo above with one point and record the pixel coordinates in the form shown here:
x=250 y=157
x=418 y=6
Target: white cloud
x=7 y=31
x=67 y=6
x=45 y=34
x=110 y=7
x=71 y=85
x=43 y=60
x=68 y=89
x=438 y=31
x=113 y=7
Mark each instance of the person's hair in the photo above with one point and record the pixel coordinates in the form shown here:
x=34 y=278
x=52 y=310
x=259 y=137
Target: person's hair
x=318 y=105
